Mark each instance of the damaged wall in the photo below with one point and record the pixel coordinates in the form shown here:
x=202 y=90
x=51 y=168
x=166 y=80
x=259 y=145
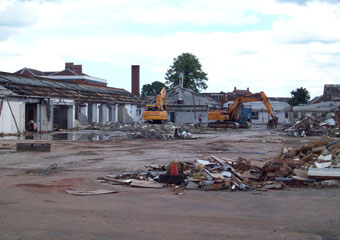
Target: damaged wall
x=128 y=113
x=331 y=92
x=46 y=116
x=7 y=123
x=185 y=106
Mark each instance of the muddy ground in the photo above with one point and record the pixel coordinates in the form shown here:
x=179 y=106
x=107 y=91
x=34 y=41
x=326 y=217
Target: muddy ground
x=34 y=205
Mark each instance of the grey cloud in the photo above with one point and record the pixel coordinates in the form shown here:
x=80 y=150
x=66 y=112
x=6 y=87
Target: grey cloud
x=15 y=17
x=304 y=2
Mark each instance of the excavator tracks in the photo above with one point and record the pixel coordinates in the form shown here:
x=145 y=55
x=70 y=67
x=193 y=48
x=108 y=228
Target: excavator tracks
x=227 y=124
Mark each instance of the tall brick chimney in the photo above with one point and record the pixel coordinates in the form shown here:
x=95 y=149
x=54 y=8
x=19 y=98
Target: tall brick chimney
x=78 y=68
x=135 y=80
x=69 y=65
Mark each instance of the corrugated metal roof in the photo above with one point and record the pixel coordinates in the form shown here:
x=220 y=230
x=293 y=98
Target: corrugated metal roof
x=5 y=92
x=33 y=86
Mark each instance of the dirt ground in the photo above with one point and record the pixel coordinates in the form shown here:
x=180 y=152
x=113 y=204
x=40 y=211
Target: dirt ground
x=34 y=205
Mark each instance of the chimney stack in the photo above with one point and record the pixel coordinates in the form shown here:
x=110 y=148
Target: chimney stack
x=234 y=89
x=135 y=80
x=78 y=68
x=69 y=66
x=248 y=89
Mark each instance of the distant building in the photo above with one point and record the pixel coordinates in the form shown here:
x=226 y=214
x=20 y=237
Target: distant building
x=223 y=97
x=71 y=73
x=49 y=102
x=185 y=105
x=325 y=105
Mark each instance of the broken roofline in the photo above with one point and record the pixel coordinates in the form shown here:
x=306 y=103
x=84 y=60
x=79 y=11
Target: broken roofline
x=45 y=88
x=76 y=77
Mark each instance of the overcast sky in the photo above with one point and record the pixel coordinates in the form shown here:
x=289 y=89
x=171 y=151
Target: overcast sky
x=273 y=46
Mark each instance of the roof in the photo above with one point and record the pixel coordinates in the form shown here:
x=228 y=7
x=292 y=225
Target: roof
x=259 y=106
x=318 y=107
x=5 y=92
x=188 y=97
x=315 y=100
x=66 y=75
x=29 y=86
x=29 y=71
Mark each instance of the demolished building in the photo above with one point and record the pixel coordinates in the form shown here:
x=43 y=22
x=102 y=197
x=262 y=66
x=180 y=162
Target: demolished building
x=326 y=107
x=185 y=105
x=44 y=104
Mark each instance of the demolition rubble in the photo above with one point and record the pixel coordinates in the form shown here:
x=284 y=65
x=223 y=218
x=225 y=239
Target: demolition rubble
x=316 y=164
x=148 y=130
x=311 y=126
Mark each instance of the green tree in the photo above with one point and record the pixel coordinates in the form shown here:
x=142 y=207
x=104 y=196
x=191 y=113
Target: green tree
x=194 y=77
x=299 y=96
x=152 y=89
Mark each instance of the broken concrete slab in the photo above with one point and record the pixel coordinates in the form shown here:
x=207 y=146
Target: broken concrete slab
x=324 y=173
x=145 y=184
x=323 y=165
x=87 y=192
x=192 y=185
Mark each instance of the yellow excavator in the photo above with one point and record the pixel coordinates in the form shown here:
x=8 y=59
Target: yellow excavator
x=156 y=113
x=230 y=118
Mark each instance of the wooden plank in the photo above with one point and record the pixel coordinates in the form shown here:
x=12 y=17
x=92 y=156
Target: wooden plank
x=33 y=147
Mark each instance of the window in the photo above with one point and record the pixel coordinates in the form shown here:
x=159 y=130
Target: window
x=255 y=115
x=286 y=114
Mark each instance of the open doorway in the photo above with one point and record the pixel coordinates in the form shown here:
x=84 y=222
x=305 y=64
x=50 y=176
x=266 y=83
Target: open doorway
x=60 y=117
x=31 y=117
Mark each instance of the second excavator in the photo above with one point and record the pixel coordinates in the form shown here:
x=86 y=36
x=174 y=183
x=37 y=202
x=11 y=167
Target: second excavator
x=156 y=113
x=230 y=118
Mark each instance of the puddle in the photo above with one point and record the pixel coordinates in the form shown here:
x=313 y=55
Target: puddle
x=83 y=135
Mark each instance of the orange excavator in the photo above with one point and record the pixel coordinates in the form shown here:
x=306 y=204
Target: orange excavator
x=156 y=113
x=230 y=118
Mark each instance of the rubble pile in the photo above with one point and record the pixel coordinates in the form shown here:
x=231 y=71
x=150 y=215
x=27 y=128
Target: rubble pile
x=313 y=164
x=148 y=130
x=311 y=126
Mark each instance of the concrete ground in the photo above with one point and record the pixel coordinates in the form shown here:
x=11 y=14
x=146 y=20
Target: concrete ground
x=35 y=206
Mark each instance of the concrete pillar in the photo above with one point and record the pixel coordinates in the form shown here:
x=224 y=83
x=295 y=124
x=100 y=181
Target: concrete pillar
x=89 y=113
x=70 y=116
x=116 y=113
x=46 y=123
x=105 y=113
x=111 y=117
x=101 y=113
x=38 y=117
x=94 y=113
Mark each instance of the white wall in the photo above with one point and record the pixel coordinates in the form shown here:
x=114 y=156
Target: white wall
x=132 y=112
x=46 y=125
x=7 y=124
x=190 y=117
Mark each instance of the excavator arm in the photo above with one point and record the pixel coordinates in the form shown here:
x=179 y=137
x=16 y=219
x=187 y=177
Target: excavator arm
x=261 y=96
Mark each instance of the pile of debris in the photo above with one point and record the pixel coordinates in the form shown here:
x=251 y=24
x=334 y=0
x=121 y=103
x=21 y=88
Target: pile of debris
x=311 y=126
x=313 y=164
x=148 y=130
